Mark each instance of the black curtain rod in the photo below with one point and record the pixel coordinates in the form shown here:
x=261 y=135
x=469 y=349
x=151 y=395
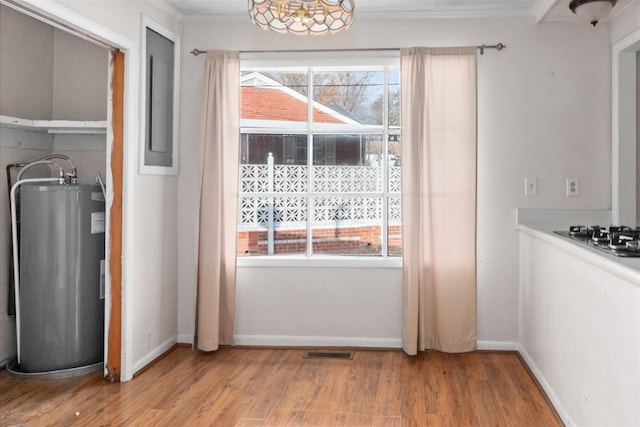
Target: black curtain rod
x=196 y=52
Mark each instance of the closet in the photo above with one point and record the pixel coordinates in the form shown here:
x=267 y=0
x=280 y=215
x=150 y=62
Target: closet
x=53 y=100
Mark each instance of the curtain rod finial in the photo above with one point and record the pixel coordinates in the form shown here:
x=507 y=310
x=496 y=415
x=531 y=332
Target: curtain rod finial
x=498 y=47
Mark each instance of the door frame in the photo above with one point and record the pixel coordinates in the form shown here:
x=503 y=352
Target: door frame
x=115 y=165
x=624 y=138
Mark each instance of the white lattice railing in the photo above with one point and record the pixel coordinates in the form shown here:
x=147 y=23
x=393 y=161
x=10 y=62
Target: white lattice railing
x=266 y=195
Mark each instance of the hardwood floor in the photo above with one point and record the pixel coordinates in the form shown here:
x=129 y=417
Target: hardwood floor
x=277 y=387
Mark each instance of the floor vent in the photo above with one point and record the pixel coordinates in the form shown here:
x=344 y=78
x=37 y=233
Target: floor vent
x=328 y=355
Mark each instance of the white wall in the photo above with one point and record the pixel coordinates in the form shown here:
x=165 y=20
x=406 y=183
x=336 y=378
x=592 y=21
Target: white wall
x=49 y=74
x=79 y=79
x=26 y=64
x=541 y=113
x=150 y=254
x=306 y=306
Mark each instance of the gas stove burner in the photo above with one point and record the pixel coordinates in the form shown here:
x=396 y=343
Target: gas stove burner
x=602 y=238
x=578 y=230
x=617 y=245
x=599 y=235
x=618 y=240
x=633 y=245
x=633 y=234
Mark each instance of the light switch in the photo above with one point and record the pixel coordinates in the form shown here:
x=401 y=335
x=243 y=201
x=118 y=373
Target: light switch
x=530 y=186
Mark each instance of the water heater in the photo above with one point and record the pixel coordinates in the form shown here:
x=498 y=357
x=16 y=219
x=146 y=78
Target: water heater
x=61 y=280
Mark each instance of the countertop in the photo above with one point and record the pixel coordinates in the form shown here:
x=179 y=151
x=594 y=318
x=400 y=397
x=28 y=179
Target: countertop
x=625 y=268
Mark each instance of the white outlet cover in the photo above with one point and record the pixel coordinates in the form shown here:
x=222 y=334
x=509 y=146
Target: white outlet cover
x=573 y=187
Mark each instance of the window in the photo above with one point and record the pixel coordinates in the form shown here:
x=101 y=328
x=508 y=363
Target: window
x=320 y=162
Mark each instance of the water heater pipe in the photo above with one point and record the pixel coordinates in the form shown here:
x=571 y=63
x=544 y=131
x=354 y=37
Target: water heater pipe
x=14 y=237
x=39 y=162
x=101 y=182
x=74 y=173
x=48 y=157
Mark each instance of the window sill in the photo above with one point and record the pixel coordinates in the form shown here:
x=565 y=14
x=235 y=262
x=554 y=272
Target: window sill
x=319 y=261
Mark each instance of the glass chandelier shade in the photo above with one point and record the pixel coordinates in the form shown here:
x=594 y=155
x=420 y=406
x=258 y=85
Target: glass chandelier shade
x=592 y=11
x=302 y=16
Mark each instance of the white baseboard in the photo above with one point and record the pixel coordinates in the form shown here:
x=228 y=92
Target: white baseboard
x=304 y=341
x=153 y=354
x=562 y=412
x=498 y=345
x=185 y=338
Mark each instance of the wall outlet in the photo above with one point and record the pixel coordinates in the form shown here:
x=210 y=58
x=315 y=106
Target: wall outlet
x=573 y=187
x=530 y=186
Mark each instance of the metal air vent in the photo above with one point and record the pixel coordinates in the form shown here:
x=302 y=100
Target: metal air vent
x=328 y=355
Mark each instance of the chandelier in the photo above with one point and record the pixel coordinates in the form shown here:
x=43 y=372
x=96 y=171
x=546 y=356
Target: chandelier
x=592 y=11
x=302 y=16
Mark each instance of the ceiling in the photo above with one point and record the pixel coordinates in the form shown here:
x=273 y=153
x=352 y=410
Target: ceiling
x=542 y=10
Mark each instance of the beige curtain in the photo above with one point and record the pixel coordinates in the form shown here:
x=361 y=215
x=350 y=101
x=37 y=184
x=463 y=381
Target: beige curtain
x=219 y=147
x=439 y=198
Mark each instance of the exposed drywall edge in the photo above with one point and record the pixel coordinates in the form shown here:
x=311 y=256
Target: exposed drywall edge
x=154 y=354
x=555 y=401
x=309 y=341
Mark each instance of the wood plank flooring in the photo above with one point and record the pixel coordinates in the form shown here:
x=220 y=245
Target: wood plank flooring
x=276 y=387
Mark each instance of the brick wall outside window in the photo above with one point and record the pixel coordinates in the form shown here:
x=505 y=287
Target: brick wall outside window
x=360 y=240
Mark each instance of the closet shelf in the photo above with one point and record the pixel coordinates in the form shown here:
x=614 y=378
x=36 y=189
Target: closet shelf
x=78 y=127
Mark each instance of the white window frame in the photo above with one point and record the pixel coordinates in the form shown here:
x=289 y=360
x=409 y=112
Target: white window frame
x=311 y=65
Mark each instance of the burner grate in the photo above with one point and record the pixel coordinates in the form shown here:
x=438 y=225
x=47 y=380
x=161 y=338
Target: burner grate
x=620 y=241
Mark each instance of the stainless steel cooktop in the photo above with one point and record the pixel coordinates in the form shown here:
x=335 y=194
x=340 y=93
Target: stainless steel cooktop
x=619 y=241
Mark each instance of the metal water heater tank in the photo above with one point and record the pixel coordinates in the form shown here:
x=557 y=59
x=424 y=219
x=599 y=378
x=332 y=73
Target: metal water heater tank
x=61 y=284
